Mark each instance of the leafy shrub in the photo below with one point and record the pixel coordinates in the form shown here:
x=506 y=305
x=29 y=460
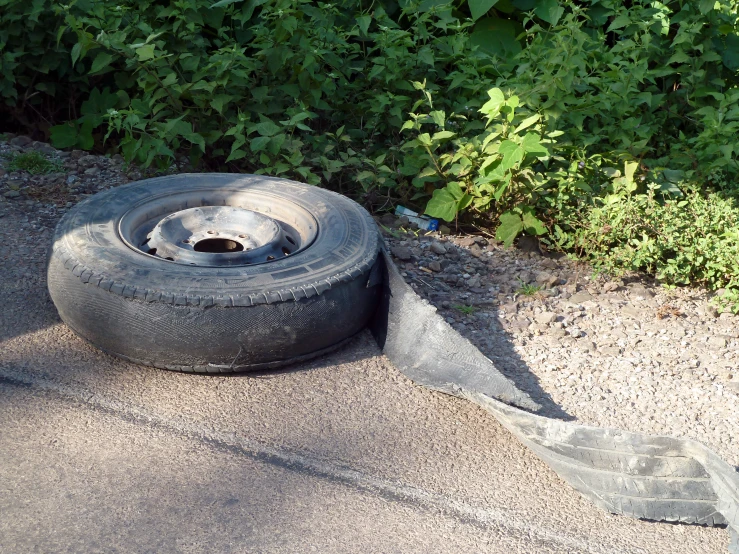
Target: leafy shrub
x=288 y=87
x=690 y=241
x=514 y=113
x=647 y=81
x=496 y=166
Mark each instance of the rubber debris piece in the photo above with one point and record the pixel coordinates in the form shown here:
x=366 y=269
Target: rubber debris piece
x=426 y=348
x=655 y=478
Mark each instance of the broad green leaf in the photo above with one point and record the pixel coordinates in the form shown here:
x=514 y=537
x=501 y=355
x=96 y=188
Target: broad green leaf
x=531 y=224
x=478 y=8
x=620 y=22
x=491 y=108
x=267 y=128
x=674 y=175
x=496 y=37
x=145 y=52
x=302 y=116
x=509 y=228
x=524 y=5
x=501 y=188
x=492 y=136
x=276 y=143
x=549 y=10
x=426 y=55
x=526 y=123
x=248 y=9
x=236 y=155
x=140 y=106
x=76 y=51
x=505 y=6
x=64 y=135
x=219 y=100
x=176 y=125
x=439 y=118
x=196 y=139
x=101 y=61
x=725 y=29
x=365 y=175
x=364 y=22
x=424 y=139
x=455 y=190
x=464 y=202
x=706 y=6
x=441 y=135
x=670 y=189
x=629 y=170
x=85 y=140
x=410 y=124
x=98 y=103
x=429 y=171
x=259 y=143
x=443 y=205
x=531 y=145
x=512 y=154
x=678 y=57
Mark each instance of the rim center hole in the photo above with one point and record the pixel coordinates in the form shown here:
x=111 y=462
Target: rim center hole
x=218 y=246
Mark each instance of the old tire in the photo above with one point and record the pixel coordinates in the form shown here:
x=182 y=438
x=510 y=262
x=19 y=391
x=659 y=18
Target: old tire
x=213 y=310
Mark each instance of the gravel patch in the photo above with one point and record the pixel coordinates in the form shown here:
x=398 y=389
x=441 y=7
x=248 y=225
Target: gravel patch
x=614 y=353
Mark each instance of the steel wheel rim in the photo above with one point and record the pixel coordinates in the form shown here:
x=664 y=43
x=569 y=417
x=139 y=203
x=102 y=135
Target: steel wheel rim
x=218 y=228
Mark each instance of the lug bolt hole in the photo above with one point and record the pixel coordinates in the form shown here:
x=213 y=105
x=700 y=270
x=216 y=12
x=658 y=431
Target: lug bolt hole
x=211 y=232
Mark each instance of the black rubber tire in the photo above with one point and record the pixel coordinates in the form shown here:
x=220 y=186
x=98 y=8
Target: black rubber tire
x=214 y=319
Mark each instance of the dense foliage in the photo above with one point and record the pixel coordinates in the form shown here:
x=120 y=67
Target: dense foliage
x=554 y=118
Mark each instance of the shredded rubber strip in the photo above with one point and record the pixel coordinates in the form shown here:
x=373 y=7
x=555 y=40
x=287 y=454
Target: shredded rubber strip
x=656 y=478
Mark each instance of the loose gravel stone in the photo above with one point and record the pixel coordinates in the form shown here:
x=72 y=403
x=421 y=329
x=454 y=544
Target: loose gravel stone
x=546 y=317
x=580 y=297
x=20 y=141
x=438 y=248
x=402 y=253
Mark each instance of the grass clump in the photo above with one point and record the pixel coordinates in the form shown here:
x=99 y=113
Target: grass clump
x=466 y=310
x=34 y=163
x=528 y=289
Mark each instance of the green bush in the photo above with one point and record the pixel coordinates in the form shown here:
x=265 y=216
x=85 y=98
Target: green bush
x=692 y=241
x=511 y=113
x=297 y=88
